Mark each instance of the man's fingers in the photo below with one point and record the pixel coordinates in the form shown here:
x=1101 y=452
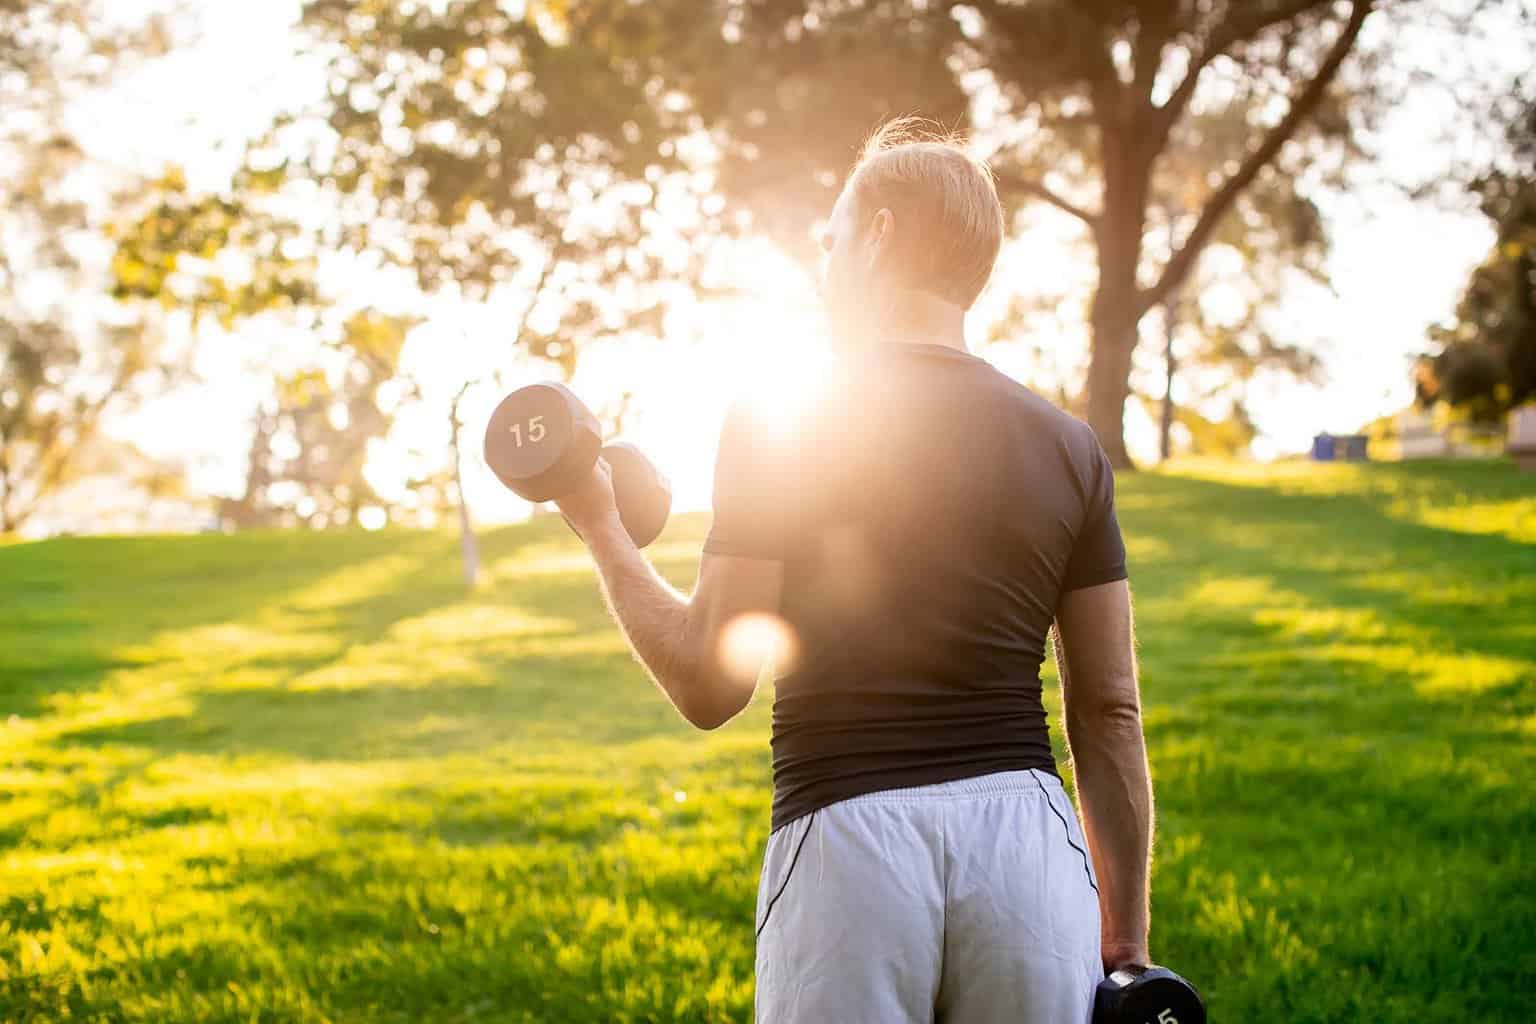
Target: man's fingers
x=1120 y=955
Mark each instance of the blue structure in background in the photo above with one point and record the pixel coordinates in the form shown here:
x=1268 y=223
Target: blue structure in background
x=1339 y=448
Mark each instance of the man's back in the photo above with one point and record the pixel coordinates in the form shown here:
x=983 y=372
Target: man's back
x=929 y=512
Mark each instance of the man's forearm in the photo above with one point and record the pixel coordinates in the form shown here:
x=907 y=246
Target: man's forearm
x=1110 y=764
x=652 y=614
x=1114 y=789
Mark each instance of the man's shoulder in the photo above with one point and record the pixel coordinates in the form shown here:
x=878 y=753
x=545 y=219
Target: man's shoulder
x=1044 y=415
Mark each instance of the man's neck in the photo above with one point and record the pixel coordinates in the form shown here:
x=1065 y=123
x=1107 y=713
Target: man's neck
x=917 y=318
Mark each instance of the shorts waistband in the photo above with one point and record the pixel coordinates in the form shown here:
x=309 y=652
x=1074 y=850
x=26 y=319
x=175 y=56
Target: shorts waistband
x=994 y=784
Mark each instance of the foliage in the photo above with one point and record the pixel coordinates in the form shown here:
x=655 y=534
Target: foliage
x=1270 y=244
x=1487 y=362
x=307 y=777
x=459 y=122
x=310 y=447
x=1226 y=432
x=65 y=361
x=1103 y=110
x=519 y=157
x=542 y=152
x=221 y=255
x=1271 y=241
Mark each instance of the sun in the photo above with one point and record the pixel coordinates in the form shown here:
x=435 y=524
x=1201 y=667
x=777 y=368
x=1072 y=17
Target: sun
x=787 y=384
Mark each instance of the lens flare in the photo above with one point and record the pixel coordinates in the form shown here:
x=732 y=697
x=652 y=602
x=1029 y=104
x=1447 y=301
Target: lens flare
x=784 y=386
x=755 y=641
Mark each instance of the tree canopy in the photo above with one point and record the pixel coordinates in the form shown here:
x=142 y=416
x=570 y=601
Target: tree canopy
x=483 y=153
x=1487 y=361
x=67 y=354
x=1080 y=105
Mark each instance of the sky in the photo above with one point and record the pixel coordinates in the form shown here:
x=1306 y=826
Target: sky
x=1396 y=266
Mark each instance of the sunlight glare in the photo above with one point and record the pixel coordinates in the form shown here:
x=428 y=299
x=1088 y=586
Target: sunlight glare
x=785 y=384
x=750 y=641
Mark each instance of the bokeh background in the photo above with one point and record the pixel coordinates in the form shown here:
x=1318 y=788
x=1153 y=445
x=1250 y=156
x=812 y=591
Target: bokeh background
x=304 y=718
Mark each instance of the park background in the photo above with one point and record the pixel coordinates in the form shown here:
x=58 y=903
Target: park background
x=303 y=717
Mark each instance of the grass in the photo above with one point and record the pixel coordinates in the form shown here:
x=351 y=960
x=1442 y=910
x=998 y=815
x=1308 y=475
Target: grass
x=292 y=777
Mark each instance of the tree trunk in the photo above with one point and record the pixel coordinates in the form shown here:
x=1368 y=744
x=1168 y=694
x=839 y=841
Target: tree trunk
x=1170 y=369
x=1109 y=381
x=6 y=526
x=249 y=511
x=467 y=542
x=1115 y=314
x=1113 y=322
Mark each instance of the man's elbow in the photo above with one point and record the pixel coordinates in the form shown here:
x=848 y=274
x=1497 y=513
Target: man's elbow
x=702 y=686
x=709 y=713
x=710 y=719
x=709 y=699
x=1118 y=703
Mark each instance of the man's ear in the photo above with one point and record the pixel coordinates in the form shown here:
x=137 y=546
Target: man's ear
x=882 y=231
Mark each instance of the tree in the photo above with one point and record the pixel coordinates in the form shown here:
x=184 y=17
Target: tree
x=66 y=359
x=1272 y=241
x=1221 y=328
x=172 y=248
x=310 y=446
x=1082 y=100
x=519 y=157
x=1487 y=361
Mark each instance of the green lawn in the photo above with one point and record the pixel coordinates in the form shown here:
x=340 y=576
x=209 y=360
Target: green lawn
x=286 y=777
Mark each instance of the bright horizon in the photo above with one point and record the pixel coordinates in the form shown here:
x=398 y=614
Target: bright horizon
x=1397 y=267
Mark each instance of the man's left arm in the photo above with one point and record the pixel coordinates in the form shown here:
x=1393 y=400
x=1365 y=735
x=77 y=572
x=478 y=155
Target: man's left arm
x=678 y=638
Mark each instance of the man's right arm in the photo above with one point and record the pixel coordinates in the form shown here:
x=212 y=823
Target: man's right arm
x=1095 y=655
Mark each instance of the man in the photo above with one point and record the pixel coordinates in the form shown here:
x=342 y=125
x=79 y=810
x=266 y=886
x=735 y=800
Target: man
x=919 y=531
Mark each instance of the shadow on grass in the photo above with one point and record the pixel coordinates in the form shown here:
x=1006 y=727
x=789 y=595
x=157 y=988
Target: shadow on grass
x=1333 y=547
x=543 y=703
x=402 y=681
x=152 y=600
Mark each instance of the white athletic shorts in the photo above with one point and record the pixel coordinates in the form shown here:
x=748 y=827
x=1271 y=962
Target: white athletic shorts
x=968 y=902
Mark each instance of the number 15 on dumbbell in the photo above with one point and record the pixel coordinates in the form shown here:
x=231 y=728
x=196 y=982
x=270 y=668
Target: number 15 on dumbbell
x=541 y=442
x=536 y=431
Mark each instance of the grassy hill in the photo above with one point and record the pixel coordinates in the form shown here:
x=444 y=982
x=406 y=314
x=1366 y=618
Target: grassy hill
x=293 y=777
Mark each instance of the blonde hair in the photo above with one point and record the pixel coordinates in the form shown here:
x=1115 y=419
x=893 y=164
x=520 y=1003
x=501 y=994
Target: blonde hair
x=949 y=221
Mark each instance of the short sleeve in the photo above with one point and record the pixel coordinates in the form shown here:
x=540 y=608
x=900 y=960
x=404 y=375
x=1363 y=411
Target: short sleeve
x=1098 y=554
x=753 y=485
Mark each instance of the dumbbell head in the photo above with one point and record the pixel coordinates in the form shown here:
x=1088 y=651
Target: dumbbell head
x=1147 y=995
x=643 y=495
x=541 y=441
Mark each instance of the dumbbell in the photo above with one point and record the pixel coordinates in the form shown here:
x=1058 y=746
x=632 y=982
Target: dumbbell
x=1147 y=995
x=542 y=442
